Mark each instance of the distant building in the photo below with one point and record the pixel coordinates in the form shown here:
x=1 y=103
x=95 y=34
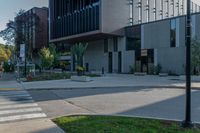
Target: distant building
x=125 y=33
x=32 y=30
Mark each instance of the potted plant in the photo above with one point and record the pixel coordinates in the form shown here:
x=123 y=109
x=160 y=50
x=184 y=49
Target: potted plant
x=78 y=51
x=80 y=70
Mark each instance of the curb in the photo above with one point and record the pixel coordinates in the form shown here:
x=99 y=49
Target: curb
x=108 y=87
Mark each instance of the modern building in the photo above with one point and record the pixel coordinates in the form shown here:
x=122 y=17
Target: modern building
x=123 y=34
x=32 y=30
x=143 y=11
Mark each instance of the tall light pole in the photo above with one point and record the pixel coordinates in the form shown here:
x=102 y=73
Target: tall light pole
x=187 y=122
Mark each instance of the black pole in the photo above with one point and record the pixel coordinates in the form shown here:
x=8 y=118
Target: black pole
x=25 y=65
x=188 y=123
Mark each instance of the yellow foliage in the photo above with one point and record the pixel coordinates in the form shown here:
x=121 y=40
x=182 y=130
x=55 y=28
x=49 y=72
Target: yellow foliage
x=4 y=54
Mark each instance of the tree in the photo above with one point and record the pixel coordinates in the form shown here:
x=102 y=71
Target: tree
x=52 y=49
x=14 y=34
x=9 y=34
x=5 y=52
x=78 y=51
x=195 y=57
x=46 y=57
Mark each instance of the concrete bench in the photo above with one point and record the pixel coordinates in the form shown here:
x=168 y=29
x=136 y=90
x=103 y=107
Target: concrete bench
x=163 y=74
x=140 y=74
x=81 y=78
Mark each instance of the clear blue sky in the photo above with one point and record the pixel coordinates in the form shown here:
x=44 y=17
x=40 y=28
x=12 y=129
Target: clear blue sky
x=8 y=8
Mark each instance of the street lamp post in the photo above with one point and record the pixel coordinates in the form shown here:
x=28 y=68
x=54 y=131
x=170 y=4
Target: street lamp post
x=187 y=123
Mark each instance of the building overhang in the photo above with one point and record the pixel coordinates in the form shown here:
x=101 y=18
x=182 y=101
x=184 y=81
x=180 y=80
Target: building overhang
x=85 y=37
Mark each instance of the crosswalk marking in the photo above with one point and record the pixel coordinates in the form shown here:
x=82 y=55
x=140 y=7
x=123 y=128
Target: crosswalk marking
x=15 y=102
x=19 y=99
x=20 y=111
x=7 y=89
x=12 y=92
x=22 y=117
x=19 y=95
x=18 y=105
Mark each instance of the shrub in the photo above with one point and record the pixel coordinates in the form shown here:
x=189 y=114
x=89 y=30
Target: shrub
x=158 y=69
x=132 y=69
x=8 y=67
x=151 y=69
x=47 y=58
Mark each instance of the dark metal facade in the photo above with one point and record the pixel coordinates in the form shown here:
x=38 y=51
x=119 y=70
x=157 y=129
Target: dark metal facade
x=71 y=17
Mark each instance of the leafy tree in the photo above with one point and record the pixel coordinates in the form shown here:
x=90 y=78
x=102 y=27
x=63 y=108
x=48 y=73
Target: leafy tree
x=13 y=33
x=78 y=51
x=9 y=34
x=5 y=53
x=52 y=49
x=195 y=57
x=46 y=57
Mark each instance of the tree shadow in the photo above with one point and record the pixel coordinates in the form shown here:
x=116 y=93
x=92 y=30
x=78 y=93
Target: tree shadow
x=173 y=108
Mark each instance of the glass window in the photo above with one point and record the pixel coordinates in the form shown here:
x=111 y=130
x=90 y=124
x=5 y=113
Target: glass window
x=133 y=43
x=115 y=44
x=139 y=11
x=173 y=33
x=131 y=11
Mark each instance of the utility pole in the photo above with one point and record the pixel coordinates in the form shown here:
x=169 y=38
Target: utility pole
x=187 y=123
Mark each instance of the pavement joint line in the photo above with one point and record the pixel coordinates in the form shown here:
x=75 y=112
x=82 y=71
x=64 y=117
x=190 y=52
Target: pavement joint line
x=70 y=102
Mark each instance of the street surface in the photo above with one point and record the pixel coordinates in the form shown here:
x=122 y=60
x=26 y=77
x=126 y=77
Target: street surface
x=162 y=103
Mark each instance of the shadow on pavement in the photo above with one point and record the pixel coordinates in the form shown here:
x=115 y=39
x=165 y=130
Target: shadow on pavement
x=173 y=108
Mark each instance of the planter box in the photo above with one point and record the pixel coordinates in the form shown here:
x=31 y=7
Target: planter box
x=81 y=78
x=163 y=74
x=140 y=74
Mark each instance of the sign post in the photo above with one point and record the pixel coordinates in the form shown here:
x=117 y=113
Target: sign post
x=187 y=123
x=23 y=56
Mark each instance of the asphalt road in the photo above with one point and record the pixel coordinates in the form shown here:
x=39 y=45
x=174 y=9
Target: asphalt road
x=167 y=103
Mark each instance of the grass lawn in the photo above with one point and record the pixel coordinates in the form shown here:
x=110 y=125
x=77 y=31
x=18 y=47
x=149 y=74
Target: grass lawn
x=110 y=124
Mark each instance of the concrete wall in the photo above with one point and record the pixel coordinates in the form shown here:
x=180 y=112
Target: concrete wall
x=114 y=16
x=157 y=36
x=96 y=57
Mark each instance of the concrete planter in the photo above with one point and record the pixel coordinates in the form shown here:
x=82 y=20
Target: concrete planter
x=140 y=74
x=81 y=78
x=163 y=74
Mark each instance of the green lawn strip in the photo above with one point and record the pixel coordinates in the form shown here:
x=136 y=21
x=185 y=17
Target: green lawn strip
x=112 y=124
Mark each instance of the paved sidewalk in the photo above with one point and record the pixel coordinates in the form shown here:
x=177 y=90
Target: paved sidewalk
x=115 y=80
x=19 y=113
x=31 y=126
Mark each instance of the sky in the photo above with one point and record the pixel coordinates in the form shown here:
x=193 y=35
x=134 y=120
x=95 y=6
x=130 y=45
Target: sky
x=8 y=8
